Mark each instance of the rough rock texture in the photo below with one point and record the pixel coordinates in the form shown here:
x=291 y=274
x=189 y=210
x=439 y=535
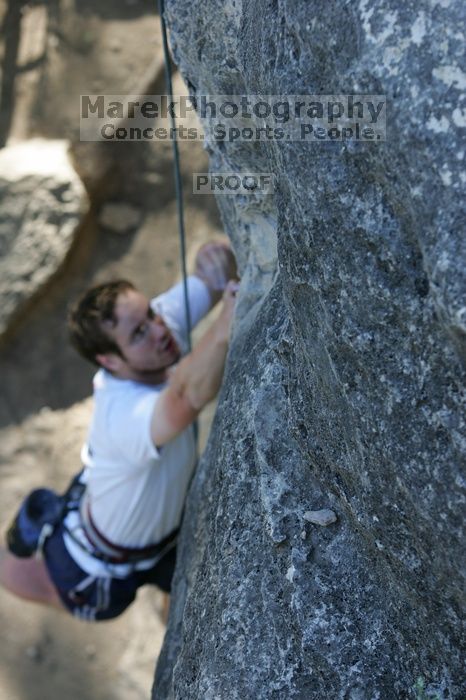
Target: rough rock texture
x=42 y=201
x=345 y=382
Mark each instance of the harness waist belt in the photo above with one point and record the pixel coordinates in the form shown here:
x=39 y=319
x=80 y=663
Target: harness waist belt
x=114 y=553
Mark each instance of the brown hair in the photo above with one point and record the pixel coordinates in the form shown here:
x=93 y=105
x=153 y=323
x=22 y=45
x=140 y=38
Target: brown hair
x=86 y=317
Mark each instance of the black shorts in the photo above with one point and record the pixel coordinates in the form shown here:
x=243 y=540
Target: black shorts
x=99 y=597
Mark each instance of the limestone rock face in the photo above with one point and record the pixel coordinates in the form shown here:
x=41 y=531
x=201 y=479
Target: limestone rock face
x=42 y=201
x=344 y=389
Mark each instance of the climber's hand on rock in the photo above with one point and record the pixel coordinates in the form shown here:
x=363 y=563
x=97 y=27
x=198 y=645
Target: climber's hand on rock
x=215 y=265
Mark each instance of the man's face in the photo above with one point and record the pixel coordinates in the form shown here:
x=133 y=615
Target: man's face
x=147 y=345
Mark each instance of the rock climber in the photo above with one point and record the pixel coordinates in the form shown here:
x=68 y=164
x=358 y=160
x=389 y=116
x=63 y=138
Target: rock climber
x=116 y=527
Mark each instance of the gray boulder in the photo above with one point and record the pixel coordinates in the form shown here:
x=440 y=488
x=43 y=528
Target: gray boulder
x=345 y=384
x=42 y=201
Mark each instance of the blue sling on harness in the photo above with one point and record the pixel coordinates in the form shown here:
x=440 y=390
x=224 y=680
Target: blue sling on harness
x=39 y=514
x=36 y=519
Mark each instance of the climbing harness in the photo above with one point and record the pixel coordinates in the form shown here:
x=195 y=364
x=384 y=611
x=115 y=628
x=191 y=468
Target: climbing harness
x=113 y=553
x=44 y=509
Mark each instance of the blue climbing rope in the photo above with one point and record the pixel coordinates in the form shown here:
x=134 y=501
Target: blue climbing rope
x=179 y=191
x=176 y=170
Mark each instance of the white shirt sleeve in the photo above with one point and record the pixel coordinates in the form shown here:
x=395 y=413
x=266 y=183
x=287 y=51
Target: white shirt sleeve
x=171 y=305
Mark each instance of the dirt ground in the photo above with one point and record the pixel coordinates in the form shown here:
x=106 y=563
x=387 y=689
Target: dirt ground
x=45 y=403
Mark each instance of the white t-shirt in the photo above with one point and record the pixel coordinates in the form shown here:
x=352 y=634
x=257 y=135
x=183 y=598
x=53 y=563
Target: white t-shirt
x=136 y=492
